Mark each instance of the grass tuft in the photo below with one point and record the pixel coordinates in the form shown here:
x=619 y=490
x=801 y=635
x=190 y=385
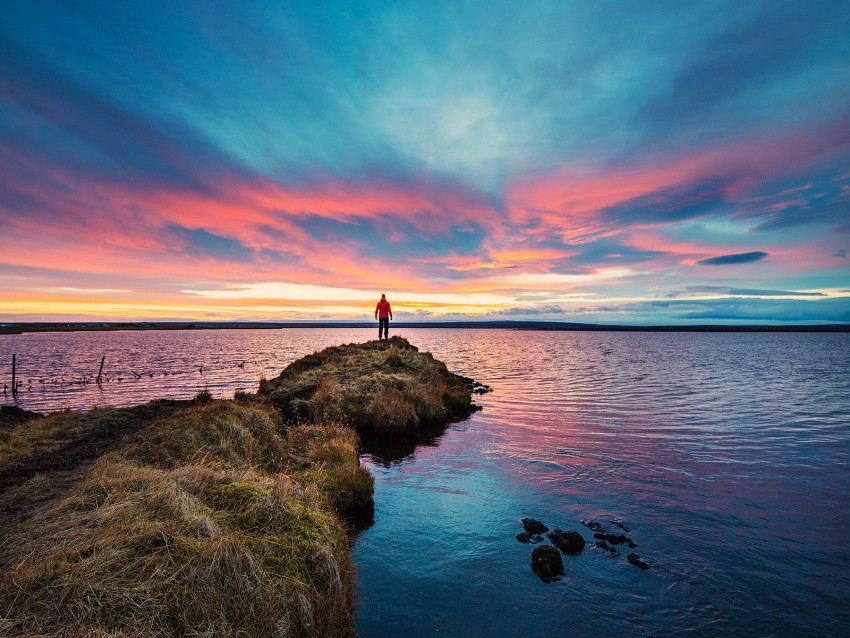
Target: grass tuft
x=214 y=520
x=379 y=386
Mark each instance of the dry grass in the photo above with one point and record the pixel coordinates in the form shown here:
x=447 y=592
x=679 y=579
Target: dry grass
x=212 y=521
x=379 y=386
x=206 y=518
x=53 y=432
x=65 y=440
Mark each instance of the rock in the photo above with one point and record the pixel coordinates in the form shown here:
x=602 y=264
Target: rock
x=533 y=527
x=620 y=524
x=569 y=542
x=525 y=537
x=616 y=539
x=605 y=546
x=635 y=560
x=547 y=563
x=593 y=525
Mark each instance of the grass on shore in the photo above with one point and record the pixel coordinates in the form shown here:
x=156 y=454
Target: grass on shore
x=379 y=386
x=206 y=518
x=215 y=520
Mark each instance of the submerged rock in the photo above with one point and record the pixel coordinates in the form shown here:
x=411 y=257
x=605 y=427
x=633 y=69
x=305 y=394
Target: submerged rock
x=616 y=539
x=604 y=545
x=547 y=563
x=636 y=560
x=569 y=542
x=526 y=537
x=533 y=526
x=477 y=388
x=593 y=525
x=620 y=524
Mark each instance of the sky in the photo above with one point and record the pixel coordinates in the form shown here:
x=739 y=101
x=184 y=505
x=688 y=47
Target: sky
x=607 y=162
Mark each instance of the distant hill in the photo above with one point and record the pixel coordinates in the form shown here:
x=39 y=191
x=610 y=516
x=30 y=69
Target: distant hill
x=18 y=328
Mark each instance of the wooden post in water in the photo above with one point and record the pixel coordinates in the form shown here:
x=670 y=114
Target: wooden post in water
x=14 y=383
x=100 y=371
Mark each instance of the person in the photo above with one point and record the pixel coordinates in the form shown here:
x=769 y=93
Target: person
x=383 y=313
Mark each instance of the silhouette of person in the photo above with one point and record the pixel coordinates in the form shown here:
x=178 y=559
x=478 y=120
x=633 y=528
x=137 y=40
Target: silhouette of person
x=383 y=313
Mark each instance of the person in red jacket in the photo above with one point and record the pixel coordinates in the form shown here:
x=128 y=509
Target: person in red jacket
x=383 y=313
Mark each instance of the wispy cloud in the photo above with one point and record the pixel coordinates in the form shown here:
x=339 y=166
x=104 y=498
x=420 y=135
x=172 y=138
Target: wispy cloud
x=737 y=258
x=752 y=292
x=467 y=163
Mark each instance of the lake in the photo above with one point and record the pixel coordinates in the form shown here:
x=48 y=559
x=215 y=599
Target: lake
x=725 y=455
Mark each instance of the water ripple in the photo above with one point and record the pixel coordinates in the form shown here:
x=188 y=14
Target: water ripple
x=727 y=454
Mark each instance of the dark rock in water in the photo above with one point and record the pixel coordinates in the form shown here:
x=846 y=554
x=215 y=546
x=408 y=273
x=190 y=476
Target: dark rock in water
x=533 y=527
x=547 y=563
x=480 y=388
x=569 y=542
x=525 y=537
x=635 y=560
x=593 y=525
x=620 y=524
x=616 y=539
x=605 y=546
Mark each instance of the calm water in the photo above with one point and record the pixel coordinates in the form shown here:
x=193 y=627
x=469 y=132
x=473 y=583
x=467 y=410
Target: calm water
x=726 y=455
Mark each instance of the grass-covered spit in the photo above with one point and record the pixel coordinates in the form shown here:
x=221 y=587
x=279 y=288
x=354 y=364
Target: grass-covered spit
x=205 y=518
x=380 y=386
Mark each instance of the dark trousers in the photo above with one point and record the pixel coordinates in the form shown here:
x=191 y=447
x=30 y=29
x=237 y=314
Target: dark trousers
x=384 y=324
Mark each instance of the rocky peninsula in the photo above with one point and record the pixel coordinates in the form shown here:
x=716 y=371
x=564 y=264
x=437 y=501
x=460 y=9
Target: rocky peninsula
x=207 y=517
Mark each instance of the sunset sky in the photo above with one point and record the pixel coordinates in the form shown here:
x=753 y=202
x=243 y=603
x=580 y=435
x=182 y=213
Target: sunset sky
x=614 y=162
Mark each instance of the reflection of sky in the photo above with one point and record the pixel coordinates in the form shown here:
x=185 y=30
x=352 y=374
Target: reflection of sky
x=736 y=497
x=616 y=162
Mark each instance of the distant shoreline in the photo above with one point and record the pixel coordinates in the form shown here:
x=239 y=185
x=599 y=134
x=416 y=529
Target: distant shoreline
x=20 y=328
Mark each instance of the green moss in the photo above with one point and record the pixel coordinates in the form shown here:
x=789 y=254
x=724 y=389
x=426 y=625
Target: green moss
x=237 y=494
x=349 y=488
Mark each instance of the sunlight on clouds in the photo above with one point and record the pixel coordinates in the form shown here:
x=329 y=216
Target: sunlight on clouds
x=557 y=279
x=472 y=301
x=282 y=290
x=86 y=291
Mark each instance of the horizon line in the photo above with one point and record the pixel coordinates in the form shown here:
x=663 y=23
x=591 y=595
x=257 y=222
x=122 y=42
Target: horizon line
x=7 y=328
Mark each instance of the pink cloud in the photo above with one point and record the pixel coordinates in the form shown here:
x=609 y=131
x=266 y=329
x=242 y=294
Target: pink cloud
x=571 y=202
x=107 y=227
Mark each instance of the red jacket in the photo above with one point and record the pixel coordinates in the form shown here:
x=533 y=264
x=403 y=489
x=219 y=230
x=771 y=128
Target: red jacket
x=383 y=309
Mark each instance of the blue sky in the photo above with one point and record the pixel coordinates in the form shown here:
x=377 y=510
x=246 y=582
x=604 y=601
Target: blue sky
x=617 y=162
